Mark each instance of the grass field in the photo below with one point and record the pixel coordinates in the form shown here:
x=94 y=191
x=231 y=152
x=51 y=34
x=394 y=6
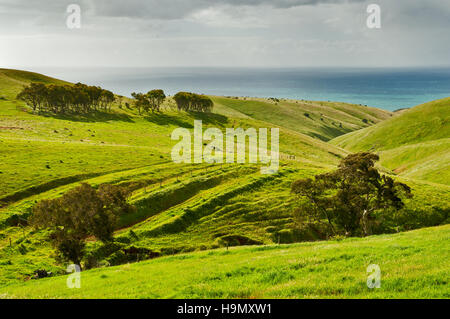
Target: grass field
x=322 y=120
x=182 y=208
x=413 y=265
x=414 y=143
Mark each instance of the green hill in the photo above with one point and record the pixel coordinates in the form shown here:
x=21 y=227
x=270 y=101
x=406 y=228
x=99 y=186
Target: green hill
x=43 y=156
x=415 y=143
x=11 y=81
x=322 y=120
x=180 y=207
x=412 y=265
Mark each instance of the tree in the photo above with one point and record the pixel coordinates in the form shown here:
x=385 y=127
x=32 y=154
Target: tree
x=33 y=95
x=350 y=196
x=156 y=98
x=106 y=99
x=182 y=100
x=187 y=101
x=140 y=102
x=78 y=214
x=78 y=98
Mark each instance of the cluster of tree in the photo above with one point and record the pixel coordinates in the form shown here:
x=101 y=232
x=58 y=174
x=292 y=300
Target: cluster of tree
x=78 y=98
x=149 y=102
x=187 y=101
x=80 y=213
x=350 y=198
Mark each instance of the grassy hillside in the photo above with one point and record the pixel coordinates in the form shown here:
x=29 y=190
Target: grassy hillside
x=414 y=143
x=43 y=156
x=413 y=265
x=104 y=142
x=322 y=120
x=180 y=207
x=11 y=81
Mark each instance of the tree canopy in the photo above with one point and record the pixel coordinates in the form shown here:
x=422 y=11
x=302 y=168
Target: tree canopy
x=187 y=101
x=78 y=214
x=78 y=98
x=151 y=101
x=350 y=196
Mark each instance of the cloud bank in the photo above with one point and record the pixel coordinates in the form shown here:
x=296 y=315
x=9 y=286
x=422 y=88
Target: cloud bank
x=224 y=33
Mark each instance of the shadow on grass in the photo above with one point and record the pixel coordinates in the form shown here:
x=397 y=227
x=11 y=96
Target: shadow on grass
x=210 y=118
x=96 y=116
x=329 y=132
x=166 y=119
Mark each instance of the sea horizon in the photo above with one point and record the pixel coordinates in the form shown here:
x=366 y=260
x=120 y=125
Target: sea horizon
x=385 y=88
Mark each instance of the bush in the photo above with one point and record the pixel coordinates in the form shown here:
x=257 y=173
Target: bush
x=187 y=101
x=78 y=214
x=351 y=197
x=236 y=240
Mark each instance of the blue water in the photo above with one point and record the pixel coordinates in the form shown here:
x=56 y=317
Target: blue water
x=389 y=89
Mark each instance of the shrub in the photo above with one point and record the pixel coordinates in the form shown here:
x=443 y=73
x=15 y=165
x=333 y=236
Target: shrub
x=350 y=197
x=80 y=213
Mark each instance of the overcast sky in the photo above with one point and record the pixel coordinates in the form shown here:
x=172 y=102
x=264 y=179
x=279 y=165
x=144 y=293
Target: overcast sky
x=253 y=33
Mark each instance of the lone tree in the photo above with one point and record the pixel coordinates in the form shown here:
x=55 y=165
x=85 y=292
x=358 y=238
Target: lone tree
x=78 y=214
x=350 y=196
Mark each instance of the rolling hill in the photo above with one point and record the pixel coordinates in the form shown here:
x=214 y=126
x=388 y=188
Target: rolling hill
x=322 y=120
x=179 y=207
x=11 y=81
x=414 y=144
x=412 y=265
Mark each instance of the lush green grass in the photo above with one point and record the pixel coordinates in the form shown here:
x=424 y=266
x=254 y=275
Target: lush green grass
x=414 y=143
x=44 y=156
x=104 y=142
x=426 y=122
x=426 y=161
x=413 y=265
x=180 y=207
x=202 y=211
x=12 y=81
x=322 y=120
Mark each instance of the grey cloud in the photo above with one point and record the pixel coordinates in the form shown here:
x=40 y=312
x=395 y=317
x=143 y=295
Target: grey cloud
x=177 y=32
x=150 y=9
x=175 y=9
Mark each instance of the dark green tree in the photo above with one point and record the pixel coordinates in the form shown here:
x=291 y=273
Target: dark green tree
x=350 y=196
x=156 y=98
x=78 y=98
x=141 y=102
x=34 y=95
x=187 y=101
x=78 y=214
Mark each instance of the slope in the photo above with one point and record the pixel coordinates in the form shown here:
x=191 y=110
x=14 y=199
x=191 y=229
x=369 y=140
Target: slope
x=415 y=143
x=43 y=156
x=11 y=81
x=413 y=265
x=322 y=120
x=180 y=207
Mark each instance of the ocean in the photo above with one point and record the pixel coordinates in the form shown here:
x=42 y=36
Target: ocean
x=388 y=89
